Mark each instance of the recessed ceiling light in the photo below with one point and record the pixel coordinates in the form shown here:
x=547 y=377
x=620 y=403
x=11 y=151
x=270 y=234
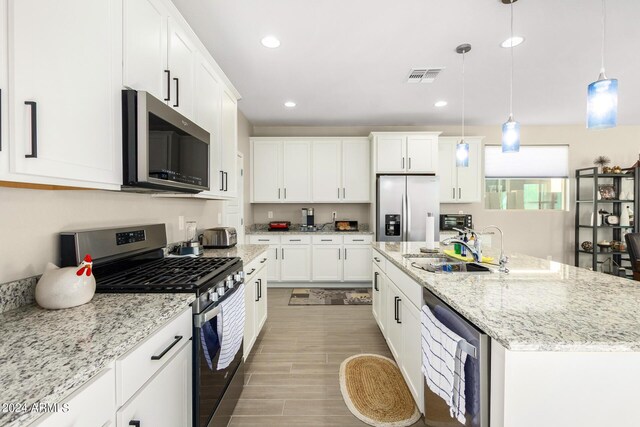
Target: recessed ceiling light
x=441 y=104
x=512 y=41
x=289 y=104
x=270 y=42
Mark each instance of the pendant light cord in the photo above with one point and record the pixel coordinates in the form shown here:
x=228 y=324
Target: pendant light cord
x=511 y=84
x=463 y=53
x=604 y=26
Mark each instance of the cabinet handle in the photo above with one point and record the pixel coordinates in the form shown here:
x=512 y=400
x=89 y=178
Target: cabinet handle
x=34 y=129
x=409 y=163
x=295 y=240
x=134 y=423
x=344 y=193
x=175 y=341
x=226 y=181
x=251 y=272
x=358 y=240
x=377 y=259
x=395 y=308
x=459 y=192
x=339 y=254
x=259 y=289
x=263 y=261
x=257 y=292
x=345 y=253
x=375 y=280
x=325 y=240
x=221 y=180
x=338 y=192
x=398 y=309
x=168 y=98
x=276 y=253
x=285 y=193
x=282 y=253
x=278 y=194
x=403 y=163
x=263 y=240
x=177 y=92
x=454 y=193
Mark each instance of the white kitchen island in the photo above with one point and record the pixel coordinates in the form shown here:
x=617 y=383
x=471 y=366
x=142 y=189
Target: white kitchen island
x=565 y=342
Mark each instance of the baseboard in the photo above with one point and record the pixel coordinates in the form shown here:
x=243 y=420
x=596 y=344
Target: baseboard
x=305 y=285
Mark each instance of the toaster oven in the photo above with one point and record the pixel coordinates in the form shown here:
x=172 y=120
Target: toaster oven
x=451 y=221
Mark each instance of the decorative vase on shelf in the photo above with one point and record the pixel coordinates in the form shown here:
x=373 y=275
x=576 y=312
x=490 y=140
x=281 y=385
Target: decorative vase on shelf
x=625 y=217
x=66 y=287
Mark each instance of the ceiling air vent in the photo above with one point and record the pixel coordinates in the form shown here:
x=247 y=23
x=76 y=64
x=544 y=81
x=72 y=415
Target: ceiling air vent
x=423 y=75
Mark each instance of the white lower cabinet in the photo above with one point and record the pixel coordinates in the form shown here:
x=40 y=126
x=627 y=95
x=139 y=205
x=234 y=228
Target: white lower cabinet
x=317 y=257
x=255 y=301
x=401 y=322
x=165 y=401
x=295 y=263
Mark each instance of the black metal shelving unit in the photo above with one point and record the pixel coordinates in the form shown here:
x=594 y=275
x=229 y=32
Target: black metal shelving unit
x=615 y=206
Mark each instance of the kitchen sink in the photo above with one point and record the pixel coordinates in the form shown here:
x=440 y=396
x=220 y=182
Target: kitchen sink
x=439 y=263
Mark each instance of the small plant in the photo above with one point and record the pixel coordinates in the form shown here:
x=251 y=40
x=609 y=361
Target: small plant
x=602 y=162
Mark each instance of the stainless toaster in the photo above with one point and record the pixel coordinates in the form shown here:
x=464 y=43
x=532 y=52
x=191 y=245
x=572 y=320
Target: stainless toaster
x=219 y=237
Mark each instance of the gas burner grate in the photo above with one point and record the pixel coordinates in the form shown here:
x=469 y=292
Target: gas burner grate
x=171 y=274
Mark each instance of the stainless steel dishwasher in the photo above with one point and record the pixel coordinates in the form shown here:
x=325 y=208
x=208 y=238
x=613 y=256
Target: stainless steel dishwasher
x=476 y=371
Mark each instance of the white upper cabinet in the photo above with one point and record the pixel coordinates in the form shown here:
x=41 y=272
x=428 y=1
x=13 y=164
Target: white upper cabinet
x=296 y=171
x=422 y=153
x=390 y=154
x=145 y=47
x=181 y=59
x=356 y=178
x=229 y=147
x=460 y=184
x=65 y=59
x=318 y=170
x=4 y=134
x=266 y=164
x=406 y=152
x=326 y=179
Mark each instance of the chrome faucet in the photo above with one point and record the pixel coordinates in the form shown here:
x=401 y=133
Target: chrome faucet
x=503 y=258
x=477 y=257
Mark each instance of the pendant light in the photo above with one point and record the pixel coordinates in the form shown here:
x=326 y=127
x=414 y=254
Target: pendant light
x=511 y=128
x=462 y=148
x=602 y=95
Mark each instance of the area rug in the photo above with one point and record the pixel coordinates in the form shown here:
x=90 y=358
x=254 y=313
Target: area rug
x=319 y=296
x=375 y=392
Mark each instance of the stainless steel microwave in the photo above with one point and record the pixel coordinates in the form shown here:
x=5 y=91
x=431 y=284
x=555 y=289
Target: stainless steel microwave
x=451 y=221
x=162 y=150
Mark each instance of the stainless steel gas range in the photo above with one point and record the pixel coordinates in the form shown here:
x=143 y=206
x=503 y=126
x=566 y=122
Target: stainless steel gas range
x=132 y=259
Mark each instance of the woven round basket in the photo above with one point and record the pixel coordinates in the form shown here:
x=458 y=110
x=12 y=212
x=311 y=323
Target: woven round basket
x=375 y=392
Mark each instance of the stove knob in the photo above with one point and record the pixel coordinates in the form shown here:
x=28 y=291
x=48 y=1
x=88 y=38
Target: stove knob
x=221 y=290
x=229 y=283
x=239 y=276
x=214 y=297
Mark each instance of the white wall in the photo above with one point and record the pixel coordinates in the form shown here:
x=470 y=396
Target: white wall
x=30 y=221
x=244 y=133
x=537 y=233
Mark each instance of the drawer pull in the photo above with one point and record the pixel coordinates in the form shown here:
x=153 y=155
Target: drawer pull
x=251 y=272
x=263 y=240
x=161 y=355
x=295 y=240
x=134 y=423
x=377 y=259
x=263 y=261
x=358 y=240
x=326 y=240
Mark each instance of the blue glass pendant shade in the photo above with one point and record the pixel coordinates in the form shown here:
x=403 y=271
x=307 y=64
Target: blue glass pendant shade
x=602 y=103
x=511 y=136
x=462 y=154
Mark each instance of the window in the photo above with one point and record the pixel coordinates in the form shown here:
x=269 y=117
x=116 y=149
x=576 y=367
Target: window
x=536 y=178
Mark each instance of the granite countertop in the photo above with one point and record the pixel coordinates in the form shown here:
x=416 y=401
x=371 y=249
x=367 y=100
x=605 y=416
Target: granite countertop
x=247 y=252
x=540 y=305
x=45 y=355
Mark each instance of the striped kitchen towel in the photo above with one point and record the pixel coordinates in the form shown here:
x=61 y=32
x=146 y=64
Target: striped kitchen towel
x=443 y=362
x=231 y=327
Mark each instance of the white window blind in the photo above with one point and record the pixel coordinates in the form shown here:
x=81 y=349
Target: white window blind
x=533 y=161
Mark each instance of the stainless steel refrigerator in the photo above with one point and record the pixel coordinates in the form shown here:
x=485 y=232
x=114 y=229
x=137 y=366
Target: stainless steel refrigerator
x=403 y=202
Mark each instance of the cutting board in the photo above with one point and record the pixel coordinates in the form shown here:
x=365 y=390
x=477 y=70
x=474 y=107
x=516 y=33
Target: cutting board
x=452 y=253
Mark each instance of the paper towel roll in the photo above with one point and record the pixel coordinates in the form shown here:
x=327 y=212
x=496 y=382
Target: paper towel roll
x=431 y=232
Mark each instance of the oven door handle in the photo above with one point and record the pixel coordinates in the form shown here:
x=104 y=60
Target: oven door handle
x=202 y=318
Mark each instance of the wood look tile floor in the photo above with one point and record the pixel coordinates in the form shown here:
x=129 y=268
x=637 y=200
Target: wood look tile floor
x=292 y=372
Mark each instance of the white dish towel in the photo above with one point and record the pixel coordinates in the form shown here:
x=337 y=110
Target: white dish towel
x=443 y=362
x=231 y=327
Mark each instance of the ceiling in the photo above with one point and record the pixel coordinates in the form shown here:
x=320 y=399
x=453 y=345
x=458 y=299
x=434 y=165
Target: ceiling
x=346 y=62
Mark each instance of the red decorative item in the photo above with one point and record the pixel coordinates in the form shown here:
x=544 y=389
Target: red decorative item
x=86 y=266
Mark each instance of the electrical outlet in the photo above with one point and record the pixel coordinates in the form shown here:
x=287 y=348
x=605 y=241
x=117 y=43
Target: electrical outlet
x=180 y=222
x=334 y=215
x=270 y=214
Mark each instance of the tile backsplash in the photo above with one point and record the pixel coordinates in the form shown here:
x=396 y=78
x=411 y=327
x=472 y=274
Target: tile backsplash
x=17 y=293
